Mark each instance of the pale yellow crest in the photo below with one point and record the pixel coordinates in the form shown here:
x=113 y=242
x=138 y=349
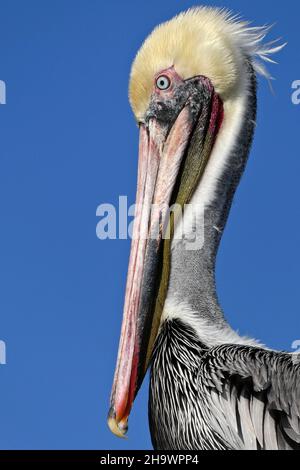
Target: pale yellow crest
x=201 y=41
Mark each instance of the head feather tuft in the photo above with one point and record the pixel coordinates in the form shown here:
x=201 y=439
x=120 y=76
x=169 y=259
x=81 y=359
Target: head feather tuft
x=201 y=41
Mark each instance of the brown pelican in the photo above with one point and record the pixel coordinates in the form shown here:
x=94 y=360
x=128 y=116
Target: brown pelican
x=193 y=93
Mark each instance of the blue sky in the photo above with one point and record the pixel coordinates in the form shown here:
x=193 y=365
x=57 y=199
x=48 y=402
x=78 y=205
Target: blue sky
x=68 y=144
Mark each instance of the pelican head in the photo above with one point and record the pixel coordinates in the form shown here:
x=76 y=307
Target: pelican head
x=189 y=90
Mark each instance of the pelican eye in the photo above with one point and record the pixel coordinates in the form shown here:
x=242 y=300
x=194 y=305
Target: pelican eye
x=163 y=82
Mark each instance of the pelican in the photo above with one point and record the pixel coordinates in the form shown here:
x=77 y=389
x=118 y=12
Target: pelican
x=193 y=93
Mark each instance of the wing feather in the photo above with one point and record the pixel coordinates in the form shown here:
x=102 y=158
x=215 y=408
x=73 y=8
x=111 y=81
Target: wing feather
x=257 y=410
x=247 y=429
x=255 y=396
x=270 y=436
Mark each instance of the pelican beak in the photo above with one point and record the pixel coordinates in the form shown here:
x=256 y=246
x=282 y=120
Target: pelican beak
x=163 y=152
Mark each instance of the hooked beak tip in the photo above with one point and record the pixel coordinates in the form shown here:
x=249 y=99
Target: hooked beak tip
x=118 y=428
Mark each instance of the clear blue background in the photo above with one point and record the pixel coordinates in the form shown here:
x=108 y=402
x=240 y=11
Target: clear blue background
x=69 y=143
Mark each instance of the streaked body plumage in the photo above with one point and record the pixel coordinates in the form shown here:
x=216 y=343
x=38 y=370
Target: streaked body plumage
x=223 y=397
